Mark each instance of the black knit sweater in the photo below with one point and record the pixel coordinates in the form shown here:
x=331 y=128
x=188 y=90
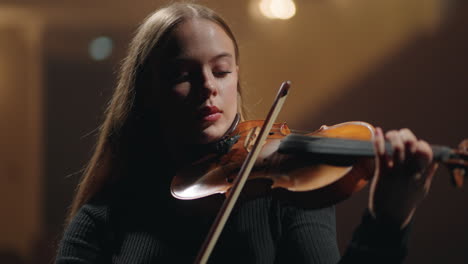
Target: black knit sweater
x=143 y=223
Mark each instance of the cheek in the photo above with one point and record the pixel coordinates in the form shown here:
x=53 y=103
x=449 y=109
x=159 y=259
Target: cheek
x=163 y=93
x=180 y=91
x=230 y=95
x=169 y=102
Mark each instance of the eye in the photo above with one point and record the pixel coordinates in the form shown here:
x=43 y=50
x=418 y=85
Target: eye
x=177 y=76
x=220 y=74
x=182 y=77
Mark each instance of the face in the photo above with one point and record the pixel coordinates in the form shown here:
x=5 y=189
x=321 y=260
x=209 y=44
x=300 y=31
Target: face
x=195 y=87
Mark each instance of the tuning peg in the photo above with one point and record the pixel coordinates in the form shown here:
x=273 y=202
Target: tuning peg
x=458 y=173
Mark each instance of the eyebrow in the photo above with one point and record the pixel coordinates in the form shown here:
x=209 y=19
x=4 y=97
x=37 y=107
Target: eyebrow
x=217 y=57
x=221 y=55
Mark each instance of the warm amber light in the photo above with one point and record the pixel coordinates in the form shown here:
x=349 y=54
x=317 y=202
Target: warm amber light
x=277 y=9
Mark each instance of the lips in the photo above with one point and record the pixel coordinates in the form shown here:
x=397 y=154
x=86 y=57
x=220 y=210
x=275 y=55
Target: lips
x=208 y=110
x=210 y=113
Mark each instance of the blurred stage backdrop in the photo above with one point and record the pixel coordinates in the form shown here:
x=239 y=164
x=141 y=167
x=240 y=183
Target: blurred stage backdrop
x=393 y=63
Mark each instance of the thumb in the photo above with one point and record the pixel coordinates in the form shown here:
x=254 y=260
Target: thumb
x=429 y=175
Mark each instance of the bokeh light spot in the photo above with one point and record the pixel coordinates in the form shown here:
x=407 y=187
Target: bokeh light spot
x=100 y=48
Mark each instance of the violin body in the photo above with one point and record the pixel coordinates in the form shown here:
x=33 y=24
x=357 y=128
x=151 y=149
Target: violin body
x=314 y=170
x=310 y=180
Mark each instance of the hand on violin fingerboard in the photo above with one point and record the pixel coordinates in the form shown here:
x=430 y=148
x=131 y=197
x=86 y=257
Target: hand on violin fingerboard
x=402 y=179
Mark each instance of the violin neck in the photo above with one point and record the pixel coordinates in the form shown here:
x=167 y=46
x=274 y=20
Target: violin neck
x=443 y=153
x=300 y=144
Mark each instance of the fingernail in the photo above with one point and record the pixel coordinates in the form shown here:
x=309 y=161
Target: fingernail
x=390 y=164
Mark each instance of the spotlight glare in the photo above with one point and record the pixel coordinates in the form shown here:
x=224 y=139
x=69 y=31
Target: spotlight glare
x=264 y=6
x=277 y=9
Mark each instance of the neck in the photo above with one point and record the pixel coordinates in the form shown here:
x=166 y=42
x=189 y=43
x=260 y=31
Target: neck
x=184 y=153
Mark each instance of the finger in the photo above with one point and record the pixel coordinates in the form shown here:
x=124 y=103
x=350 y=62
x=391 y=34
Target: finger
x=407 y=134
x=379 y=148
x=379 y=142
x=429 y=175
x=423 y=155
x=397 y=145
x=409 y=140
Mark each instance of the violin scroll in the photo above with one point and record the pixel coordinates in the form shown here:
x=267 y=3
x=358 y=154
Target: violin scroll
x=458 y=166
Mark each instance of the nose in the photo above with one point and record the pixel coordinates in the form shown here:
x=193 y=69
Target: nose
x=208 y=84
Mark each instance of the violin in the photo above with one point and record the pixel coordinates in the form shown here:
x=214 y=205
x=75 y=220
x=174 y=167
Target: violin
x=316 y=169
x=313 y=169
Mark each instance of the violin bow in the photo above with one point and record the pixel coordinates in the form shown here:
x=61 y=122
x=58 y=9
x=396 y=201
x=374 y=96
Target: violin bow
x=242 y=176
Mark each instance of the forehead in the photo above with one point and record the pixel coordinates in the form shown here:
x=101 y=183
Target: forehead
x=199 y=39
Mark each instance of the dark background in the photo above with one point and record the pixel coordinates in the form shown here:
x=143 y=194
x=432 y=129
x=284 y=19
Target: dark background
x=394 y=64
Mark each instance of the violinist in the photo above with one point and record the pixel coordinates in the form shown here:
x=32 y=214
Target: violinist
x=178 y=91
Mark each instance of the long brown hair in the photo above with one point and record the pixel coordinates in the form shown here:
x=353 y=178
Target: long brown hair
x=148 y=41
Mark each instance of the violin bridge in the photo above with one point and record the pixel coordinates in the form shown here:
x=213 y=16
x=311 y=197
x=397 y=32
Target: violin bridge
x=251 y=138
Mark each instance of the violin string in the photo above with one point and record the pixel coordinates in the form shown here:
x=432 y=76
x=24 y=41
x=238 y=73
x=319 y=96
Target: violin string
x=296 y=131
x=335 y=146
x=340 y=146
x=325 y=145
x=330 y=146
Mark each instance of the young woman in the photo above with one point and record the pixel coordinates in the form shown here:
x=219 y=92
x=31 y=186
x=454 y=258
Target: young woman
x=178 y=93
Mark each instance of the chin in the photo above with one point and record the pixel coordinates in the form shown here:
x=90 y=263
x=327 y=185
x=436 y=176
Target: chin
x=212 y=133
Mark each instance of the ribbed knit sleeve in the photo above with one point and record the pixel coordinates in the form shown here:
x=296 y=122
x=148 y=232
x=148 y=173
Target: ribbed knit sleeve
x=308 y=236
x=377 y=242
x=82 y=242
